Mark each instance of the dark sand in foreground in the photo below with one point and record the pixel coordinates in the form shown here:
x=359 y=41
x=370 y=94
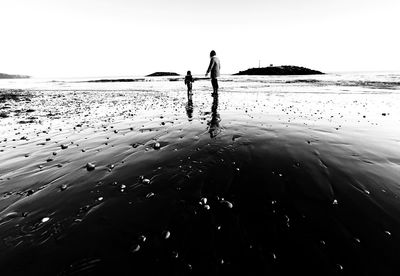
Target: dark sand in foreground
x=247 y=183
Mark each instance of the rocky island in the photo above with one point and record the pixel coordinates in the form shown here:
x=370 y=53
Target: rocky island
x=163 y=74
x=280 y=70
x=7 y=76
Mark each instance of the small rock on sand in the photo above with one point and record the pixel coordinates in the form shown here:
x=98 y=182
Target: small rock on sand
x=90 y=166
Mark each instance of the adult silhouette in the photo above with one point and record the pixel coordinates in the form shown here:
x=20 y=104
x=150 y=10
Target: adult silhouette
x=214 y=70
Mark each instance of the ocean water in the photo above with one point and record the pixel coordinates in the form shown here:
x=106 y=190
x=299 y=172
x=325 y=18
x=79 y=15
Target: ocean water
x=274 y=175
x=352 y=82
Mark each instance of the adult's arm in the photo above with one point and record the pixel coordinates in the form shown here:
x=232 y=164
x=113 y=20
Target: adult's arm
x=212 y=61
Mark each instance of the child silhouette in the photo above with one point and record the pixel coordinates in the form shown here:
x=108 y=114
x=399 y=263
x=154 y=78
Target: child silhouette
x=188 y=81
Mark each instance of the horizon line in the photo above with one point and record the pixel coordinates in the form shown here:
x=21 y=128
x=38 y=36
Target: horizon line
x=201 y=74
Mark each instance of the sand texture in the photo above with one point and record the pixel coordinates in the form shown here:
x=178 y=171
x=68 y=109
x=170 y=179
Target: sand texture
x=252 y=181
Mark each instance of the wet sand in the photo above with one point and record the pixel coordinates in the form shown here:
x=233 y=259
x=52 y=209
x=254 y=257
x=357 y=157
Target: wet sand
x=129 y=182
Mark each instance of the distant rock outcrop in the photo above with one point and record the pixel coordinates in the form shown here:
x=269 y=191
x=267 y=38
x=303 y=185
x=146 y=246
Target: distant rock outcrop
x=280 y=70
x=162 y=74
x=7 y=76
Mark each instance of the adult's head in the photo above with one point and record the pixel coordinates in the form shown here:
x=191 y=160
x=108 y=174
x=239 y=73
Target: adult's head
x=189 y=73
x=212 y=53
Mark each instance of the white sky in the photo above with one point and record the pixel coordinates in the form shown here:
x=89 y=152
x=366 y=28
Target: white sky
x=55 y=38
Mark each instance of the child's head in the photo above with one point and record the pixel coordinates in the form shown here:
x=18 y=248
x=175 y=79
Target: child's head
x=212 y=53
x=189 y=73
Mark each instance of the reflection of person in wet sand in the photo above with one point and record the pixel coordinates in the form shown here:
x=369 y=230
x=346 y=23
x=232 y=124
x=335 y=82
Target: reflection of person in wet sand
x=189 y=105
x=189 y=108
x=214 y=128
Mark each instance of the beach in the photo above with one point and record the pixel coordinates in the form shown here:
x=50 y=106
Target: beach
x=275 y=175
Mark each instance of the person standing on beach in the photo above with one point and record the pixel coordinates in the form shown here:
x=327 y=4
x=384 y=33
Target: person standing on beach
x=188 y=81
x=214 y=68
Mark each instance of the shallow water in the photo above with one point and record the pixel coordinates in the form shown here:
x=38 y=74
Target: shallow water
x=261 y=179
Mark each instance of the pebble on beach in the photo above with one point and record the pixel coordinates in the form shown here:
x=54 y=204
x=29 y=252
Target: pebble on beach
x=90 y=166
x=227 y=204
x=157 y=146
x=166 y=234
x=150 y=195
x=146 y=181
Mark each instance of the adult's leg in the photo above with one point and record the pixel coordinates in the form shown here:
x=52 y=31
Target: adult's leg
x=214 y=83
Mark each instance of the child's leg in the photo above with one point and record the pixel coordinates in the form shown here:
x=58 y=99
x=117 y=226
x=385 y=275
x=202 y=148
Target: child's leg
x=189 y=88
